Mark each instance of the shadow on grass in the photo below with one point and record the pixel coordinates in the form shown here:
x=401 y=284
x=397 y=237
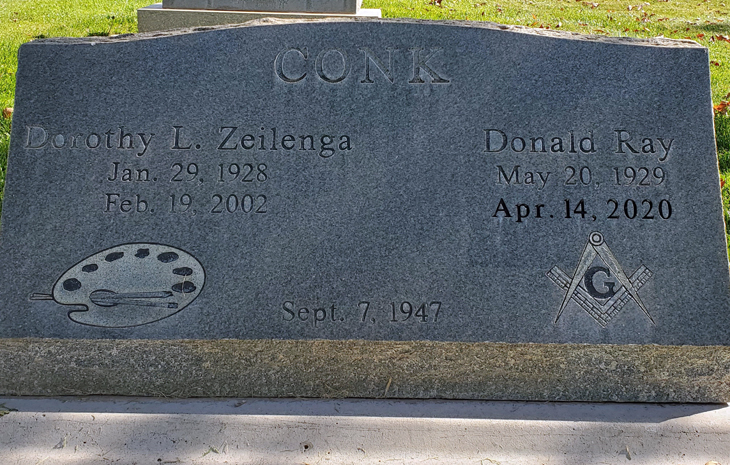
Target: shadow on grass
x=4 y=148
x=722 y=135
x=715 y=28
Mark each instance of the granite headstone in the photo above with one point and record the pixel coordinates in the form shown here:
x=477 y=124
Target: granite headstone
x=316 y=6
x=364 y=208
x=172 y=14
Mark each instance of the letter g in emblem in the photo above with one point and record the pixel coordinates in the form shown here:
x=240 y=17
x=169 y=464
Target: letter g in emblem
x=591 y=288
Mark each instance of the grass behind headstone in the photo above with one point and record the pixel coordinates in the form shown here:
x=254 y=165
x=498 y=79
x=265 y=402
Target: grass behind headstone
x=722 y=135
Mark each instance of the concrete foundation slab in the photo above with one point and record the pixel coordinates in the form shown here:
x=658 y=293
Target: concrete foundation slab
x=263 y=431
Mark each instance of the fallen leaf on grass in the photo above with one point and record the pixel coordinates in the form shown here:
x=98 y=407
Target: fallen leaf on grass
x=721 y=107
x=8 y=113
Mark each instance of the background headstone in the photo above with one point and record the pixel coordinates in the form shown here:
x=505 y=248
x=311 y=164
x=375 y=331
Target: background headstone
x=171 y=14
x=308 y=6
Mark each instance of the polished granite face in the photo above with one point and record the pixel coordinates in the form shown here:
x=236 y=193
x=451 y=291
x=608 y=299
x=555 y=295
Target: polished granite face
x=364 y=180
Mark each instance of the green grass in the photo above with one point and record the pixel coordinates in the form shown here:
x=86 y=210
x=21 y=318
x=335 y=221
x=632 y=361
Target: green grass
x=722 y=135
x=707 y=22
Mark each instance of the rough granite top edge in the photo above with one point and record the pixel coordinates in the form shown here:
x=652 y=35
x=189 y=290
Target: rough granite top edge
x=651 y=42
x=353 y=341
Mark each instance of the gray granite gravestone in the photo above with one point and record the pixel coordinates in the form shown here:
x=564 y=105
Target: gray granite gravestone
x=364 y=208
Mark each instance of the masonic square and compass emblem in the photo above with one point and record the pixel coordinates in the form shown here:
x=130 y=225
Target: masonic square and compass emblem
x=599 y=285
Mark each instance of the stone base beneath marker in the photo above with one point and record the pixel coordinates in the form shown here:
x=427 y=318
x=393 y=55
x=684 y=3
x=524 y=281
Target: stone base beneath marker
x=155 y=18
x=364 y=369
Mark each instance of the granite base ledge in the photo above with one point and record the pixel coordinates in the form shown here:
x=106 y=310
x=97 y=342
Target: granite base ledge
x=365 y=369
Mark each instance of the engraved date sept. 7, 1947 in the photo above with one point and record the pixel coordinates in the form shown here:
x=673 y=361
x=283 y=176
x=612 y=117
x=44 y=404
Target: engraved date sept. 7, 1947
x=366 y=312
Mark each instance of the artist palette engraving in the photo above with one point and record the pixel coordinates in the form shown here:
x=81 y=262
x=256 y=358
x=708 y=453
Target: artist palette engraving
x=128 y=285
